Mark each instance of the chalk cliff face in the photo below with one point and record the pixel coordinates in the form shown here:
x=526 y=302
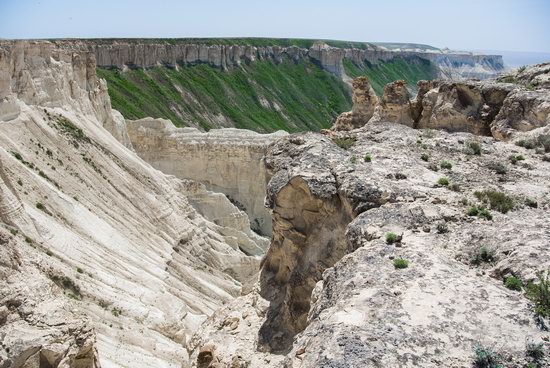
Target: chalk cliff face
x=104 y=260
x=229 y=161
x=145 y=54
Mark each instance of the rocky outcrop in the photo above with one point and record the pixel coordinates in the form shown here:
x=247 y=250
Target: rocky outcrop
x=363 y=310
x=111 y=261
x=395 y=104
x=229 y=161
x=364 y=103
x=485 y=108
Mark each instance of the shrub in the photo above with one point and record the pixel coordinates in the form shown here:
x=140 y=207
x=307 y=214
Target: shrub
x=428 y=133
x=539 y=293
x=443 y=181
x=483 y=255
x=473 y=148
x=544 y=141
x=498 y=167
x=534 y=351
x=345 y=143
x=400 y=263
x=484 y=213
x=531 y=203
x=40 y=206
x=442 y=228
x=116 y=312
x=515 y=158
x=498 y=201
x=521 y=69
x=526 y=143
x=367 y=158
x=353 y=160
x=454 y=187
x=486 y=358
x=446 y=165
x=472 y=211
x=391 y=238
x=513 y=283
x=79 y=270
x=424 y=157
x=19 y=182
x=424 y=146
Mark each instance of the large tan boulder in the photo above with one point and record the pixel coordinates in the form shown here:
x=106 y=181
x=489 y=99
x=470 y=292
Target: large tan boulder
x=395 y=105
x=364 y=103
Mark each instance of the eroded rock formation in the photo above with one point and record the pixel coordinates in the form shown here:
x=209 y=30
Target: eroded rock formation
x=495 y=108
x=364 y=103
x=229 y=161
x=104 y=259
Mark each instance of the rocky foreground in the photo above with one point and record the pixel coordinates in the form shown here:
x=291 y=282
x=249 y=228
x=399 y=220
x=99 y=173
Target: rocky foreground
x=414 y=233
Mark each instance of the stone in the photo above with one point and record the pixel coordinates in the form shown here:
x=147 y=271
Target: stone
x=364 y=102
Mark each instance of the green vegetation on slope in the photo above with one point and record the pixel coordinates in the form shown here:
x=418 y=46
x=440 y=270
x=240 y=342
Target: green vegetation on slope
x=262 y=96
x=411 y=70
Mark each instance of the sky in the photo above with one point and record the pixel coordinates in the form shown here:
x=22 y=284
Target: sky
x=516 y=25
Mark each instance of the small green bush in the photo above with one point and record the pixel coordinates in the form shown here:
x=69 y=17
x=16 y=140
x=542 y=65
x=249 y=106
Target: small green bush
x=473 y=148
x=446 y=165
x=486 y=358
x=498 y=167
x=345 y=143
x=454 y=187
x=367 y=158
x=513 y=283
x=539 y=293
x=526 y=143
x=531 y=203
x=40 y=206
x=515 y=158
x=353 y=160
x=484 y=213
x=472 y=211
x=391 y=238
x=424 y=157
x=534 y=351
x=443 y=181
x=79 y=270
x=442 y=228
x=483 y=255
x=400 y=263
x=544 y=141
x=498 y=201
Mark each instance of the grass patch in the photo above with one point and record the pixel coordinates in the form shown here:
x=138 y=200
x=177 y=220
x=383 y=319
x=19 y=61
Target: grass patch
x=483 y=254
x=391 y=238
x=539 y=293
x=261 y=96
x=345 y=143
x=400 y=263
x=473 y=148
x=498 y=201
x=513 y=283
x=443 y=181
x=446 y=165
x=486 y=358
x=367 y=158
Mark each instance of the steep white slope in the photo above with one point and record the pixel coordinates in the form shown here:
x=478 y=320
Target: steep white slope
x=115 y=242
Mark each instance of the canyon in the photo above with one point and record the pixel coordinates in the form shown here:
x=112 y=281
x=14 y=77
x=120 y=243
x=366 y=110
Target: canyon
x=136 y=243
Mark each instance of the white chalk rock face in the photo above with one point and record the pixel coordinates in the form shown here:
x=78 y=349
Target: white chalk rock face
x=108 y=261
x=225 y=160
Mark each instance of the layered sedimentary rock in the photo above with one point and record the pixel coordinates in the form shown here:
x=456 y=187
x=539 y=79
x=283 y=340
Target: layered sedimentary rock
x=364 y=103
x=149 y=53
x=495 y=108
x=229 y=161
x=104 y=259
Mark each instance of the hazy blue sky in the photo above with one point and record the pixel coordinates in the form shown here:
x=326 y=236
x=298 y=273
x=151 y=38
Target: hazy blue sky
x=522 y=25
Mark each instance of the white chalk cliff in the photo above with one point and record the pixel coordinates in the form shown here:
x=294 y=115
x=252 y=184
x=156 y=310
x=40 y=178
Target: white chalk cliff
x=105 y=261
